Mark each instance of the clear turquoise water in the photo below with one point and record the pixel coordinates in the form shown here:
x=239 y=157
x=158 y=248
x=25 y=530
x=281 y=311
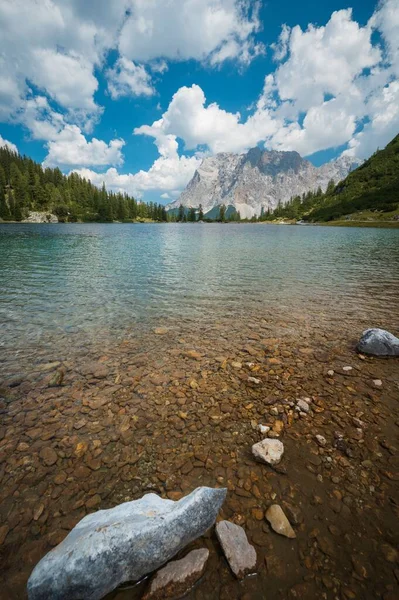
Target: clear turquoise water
x=95 y=279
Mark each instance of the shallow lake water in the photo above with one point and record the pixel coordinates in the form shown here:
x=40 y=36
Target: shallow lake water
x=94 y=281
x=142 y=358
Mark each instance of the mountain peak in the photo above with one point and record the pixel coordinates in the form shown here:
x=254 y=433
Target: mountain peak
x=259 y=179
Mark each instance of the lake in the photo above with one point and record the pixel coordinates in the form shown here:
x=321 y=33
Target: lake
x=98 y=281
x=143 y=358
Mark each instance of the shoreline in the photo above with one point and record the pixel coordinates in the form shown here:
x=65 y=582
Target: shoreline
x=366 y=224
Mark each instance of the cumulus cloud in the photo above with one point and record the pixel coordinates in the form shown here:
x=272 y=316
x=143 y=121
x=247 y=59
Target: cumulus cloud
x=57 y=45
x=304 y=105
x=43 y=122
x=188 y=118
x=386 y=20
x=70 y=147
x=51 y=45
x=333 y=84
x=213 y=30
x=280 y=48
x=128 y=79
x=383 y=123
x=325 y=60
x=6 y=144
x=169 y=173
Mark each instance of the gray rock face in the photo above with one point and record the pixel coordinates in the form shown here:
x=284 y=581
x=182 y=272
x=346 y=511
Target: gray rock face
x=258 y=179
x=378 y=342
x=177 y=577
x=239 y=553
x=40 y=217
x=279 y=522
x=268 y=451
x=122 y=544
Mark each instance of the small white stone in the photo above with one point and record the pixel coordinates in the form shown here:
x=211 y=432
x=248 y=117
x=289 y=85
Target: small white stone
x=268 y=451
x=321 y=440
x=302 y=406
x=377 y=382
x=254 y=380
x=347 y=368
x=263 y=428
x=330 y=373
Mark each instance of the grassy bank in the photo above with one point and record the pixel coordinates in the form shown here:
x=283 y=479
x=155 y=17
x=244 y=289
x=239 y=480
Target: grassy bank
x=379 y=224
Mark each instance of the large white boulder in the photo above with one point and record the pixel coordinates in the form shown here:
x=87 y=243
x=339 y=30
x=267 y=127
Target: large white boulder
x=122 y=544
x=378 y=342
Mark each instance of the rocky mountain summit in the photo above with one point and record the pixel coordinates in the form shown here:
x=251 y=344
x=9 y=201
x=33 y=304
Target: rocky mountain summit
x=258 y=179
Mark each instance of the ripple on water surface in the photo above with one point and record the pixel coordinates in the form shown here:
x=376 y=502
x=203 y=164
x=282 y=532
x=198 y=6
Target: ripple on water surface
x=102 y=279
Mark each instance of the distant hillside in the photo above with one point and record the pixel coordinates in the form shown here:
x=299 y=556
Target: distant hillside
x=372 y=186
x=25 y=187
x=369 y=192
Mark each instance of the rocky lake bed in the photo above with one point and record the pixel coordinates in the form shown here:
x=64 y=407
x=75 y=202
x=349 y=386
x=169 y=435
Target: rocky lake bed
x=175 y=407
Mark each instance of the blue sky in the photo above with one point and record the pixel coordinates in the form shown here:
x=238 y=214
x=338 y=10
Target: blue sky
x=136 y=92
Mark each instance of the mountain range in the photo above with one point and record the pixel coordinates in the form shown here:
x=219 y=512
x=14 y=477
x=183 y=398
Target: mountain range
x=257 y=180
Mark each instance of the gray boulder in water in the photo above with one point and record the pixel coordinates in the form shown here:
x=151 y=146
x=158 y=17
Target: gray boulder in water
x=122 y=544
x=379 y=343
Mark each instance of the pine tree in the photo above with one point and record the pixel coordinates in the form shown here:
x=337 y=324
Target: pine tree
x=200 y=213
x=181 y=214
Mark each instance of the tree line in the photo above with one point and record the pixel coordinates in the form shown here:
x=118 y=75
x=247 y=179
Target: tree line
x=25 y=186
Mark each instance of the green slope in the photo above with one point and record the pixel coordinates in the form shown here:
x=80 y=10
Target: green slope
x=374 y=186
x=369 y=193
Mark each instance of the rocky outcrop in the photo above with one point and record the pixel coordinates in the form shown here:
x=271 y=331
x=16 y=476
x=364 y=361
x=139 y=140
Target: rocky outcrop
x=258 y=179
x=239 y=553
x=40 y=217
x=122 y=544
x=177 y=577
x=378 y=342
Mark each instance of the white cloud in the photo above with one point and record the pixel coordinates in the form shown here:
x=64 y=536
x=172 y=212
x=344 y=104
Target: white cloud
x=66 y=78
x=70 y=147
x=280 y=48
x=386 y=20
x=169 y=173
x=185 y=29
x=325 y=60
x=50 y=44
x=333 y=84
x=304 y=106
x=42 y=121
x=188 y=118
x=128 y=79
x=383 y=124
x=6 y=144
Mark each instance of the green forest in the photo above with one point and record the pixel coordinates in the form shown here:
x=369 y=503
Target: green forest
x=25 y=186
x=374 y=187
